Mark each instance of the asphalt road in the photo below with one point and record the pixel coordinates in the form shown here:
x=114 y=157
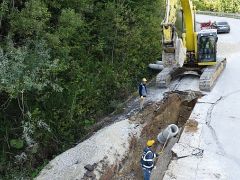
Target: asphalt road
x=218 y=117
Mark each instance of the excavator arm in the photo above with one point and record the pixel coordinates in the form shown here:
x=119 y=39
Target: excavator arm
x=168 y=24
x=189 y=37
x=169 y=29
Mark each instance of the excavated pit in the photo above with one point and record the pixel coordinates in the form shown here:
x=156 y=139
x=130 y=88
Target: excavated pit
x=175 y=108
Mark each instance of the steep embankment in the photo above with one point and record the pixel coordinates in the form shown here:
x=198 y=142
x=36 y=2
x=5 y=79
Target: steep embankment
x=114 y=151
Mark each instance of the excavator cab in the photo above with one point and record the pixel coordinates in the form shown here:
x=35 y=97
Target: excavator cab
x=207 y=47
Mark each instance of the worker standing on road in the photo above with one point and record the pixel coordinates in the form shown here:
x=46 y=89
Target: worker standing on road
x=147 y=160
x=142 y=89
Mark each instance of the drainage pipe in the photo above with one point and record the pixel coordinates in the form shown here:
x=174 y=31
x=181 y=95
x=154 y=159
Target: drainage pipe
x=156 y=66
x=159 y=62
x=167 y=133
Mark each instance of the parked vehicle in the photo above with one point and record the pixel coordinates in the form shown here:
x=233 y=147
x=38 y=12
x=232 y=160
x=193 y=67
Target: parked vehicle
x=206 y=25
x=222 y=27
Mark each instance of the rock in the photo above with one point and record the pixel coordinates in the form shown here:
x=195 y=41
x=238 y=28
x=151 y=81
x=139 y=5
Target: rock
x=76 y=162
x=120 y=167
x=89 y=167
x=48 y=167
x=105 y=157
x=136 y=126
x=94 y=165
x=132 y=118
x=190 y=108
x=90 y=174
x=84 y=177
x=141 y=121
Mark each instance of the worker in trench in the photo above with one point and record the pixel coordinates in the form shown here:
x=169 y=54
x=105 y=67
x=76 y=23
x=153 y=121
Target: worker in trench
x=142 y=89
x=148 y=160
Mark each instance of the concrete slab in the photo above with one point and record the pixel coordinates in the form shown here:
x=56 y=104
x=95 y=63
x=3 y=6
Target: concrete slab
x=191 y=137
x=200 y=112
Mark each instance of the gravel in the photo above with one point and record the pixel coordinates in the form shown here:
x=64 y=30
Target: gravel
x=108 y=146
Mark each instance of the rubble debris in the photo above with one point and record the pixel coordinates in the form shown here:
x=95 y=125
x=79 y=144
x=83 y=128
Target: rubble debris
x=89 y=167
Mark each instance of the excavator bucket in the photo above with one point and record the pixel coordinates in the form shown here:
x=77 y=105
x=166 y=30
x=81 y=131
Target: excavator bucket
x=172 y=61
x=164 y=78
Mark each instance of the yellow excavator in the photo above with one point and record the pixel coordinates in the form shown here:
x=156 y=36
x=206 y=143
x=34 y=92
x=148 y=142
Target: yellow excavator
x=193 y=52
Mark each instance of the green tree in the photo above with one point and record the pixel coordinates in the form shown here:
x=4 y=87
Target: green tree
x=65 y=65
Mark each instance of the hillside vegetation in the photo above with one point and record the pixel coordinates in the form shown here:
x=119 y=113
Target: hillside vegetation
x=232 y=6
x=63 y=66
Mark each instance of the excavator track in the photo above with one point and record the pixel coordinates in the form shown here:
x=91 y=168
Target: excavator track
x=207 y=80
x=210 y=75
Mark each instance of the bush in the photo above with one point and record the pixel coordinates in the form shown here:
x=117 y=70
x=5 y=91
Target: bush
x=64 y=65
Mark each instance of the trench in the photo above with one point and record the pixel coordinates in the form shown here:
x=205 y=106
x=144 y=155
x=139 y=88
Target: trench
x=174 y=108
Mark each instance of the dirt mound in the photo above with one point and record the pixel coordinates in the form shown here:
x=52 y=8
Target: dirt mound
x=175 y=108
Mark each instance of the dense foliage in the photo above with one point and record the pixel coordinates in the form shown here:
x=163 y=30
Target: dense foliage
x=218 y=5
x=64 y=65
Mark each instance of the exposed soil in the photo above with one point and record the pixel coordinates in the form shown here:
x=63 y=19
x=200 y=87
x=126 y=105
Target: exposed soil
x=191 y=125
x=175 y=108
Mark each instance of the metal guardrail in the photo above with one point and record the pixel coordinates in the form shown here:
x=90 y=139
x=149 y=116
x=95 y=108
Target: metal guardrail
x=221 y=14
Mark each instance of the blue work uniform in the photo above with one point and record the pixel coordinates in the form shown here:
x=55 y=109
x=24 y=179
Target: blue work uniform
x=142 y=89
x=147 y=162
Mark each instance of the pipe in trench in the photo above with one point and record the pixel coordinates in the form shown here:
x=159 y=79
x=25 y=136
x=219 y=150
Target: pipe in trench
x=168 y=133
x=159 y=62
